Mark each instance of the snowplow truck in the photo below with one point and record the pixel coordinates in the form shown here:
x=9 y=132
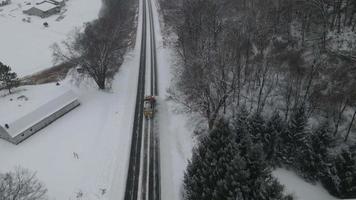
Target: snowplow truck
x=149 y=107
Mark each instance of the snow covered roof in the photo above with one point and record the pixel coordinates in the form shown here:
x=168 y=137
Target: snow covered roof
x=56 y=1
x=45 y=6
x=28 y=120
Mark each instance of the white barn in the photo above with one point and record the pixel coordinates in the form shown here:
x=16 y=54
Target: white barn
x=17 y=131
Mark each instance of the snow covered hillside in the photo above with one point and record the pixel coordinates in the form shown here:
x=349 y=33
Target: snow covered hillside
x=25 y=46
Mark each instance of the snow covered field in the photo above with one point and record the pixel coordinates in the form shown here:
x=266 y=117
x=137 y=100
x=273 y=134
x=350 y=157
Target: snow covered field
x=26 y=46
x=99 y=131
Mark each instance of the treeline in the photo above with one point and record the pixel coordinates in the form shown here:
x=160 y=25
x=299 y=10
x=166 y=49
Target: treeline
x=294 y=57
x=100 y=48
x=229 y=165
x=235 y=159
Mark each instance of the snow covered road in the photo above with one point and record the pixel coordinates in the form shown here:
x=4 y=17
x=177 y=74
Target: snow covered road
x=143 y=178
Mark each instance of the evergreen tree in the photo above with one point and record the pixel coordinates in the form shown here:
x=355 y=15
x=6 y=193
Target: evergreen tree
x=206 y=173
x=8 y=78
x=285 y=154
x=259 y=184
x=256 y=127
x=298 y=144
x=346 y=170
x=239 y=122
x=225 y=167
x=298 y=128
x=341 y=179
x=271 y=138
x=321 y=141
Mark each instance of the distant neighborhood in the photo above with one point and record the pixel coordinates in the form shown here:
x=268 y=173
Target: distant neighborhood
x=45 y=8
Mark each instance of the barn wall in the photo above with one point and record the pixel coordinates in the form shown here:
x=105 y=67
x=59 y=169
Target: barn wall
x=51 y=12
x=34 y=11
x=40 y=125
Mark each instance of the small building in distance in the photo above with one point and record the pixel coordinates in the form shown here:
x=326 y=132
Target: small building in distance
x=58 y=2
x=4 y=2
x=55 y=2
x=27 y=125
x=43 y=10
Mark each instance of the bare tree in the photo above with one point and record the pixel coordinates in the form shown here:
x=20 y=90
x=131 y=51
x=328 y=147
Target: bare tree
x=21 y=184
x=99 y=49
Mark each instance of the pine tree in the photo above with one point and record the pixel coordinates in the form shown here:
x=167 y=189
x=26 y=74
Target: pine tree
x=298 y=128
x=7 y=77
x=299 y=149
x=321 y=141
x=346 y=170
x=259 y=183
x=256 y=127
x=239 y=122
x=340 y=180
x=225 y=167
x=204 y=178
x=271 y=138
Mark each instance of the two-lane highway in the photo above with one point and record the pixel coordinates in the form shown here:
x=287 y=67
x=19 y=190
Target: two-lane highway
x=143 y=179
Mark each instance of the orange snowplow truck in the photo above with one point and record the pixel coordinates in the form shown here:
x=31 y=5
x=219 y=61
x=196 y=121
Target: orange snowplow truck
x=149 y=106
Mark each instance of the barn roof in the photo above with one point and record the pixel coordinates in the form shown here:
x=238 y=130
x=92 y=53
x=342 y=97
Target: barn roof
x=28 y=120
x=45 y=6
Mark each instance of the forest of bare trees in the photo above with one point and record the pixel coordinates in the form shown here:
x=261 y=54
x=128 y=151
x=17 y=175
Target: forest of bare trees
x=267 y=55
x=296 y=58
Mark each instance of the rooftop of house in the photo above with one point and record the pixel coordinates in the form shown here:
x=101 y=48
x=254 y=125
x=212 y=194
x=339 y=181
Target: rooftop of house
x=45 y=6
x=30 y=105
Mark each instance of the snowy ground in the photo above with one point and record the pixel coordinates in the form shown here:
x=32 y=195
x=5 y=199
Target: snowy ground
x=99 y=131
x=300 y=189
x=26 y=46
x=175 y=131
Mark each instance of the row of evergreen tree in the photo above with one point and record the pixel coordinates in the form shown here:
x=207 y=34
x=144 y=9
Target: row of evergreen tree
x=227 y=164
x=234 y=161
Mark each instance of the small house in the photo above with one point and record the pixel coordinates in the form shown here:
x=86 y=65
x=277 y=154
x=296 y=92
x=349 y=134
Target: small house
x=4 y=2
x=43 y=10
x=27 y=125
